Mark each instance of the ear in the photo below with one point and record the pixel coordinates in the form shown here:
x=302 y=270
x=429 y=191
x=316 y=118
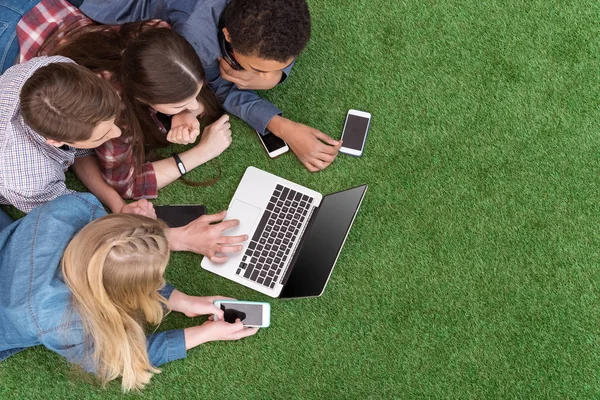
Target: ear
x=55 y=143
x=226 y=34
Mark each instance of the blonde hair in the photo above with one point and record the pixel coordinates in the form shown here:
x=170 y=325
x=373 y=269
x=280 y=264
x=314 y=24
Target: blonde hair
x=114 y=267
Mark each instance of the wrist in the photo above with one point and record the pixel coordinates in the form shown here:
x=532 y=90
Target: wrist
x=195 y=156
x=194 y=336
x=277 y=126
x=116 y=205
x=179 y=302
x=179 y=163
x=110 y=198
x=176 y=239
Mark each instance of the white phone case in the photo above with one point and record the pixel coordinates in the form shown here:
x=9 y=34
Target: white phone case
x=355 y=152
x=275 y=153
x=266 y=308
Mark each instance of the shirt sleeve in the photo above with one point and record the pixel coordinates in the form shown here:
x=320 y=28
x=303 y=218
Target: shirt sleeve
x=116 y=161
x=121 y=11
x=162 y=347
x=166 y=291
x=27 y=201
x=244 y=104
x=166 y=346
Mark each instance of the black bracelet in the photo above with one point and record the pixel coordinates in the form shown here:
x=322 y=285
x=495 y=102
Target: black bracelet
x=179 y=163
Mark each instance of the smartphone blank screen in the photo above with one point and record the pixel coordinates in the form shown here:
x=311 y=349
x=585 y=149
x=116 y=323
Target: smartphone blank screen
x=249 y=314
x=179 y=215
x=355 y=131
x=272 y=142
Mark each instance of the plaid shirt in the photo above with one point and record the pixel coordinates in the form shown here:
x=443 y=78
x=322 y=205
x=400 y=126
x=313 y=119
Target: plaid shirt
x=116 y=163
x=40 y=31
x=42 y=22
x=32 y=172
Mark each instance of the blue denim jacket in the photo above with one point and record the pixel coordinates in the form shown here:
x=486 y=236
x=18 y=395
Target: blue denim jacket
x=34 y=300
x=197 y=21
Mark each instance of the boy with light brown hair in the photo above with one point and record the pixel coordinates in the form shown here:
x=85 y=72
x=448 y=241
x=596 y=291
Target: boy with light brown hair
x=52 y=112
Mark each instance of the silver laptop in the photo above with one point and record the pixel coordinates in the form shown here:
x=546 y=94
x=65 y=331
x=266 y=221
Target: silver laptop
x=295 y=235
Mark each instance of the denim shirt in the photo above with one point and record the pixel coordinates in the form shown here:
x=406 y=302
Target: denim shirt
x=197 y=21
x=35 y=303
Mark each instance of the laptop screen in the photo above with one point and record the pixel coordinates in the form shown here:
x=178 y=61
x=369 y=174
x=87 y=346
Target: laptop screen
x=322 y=243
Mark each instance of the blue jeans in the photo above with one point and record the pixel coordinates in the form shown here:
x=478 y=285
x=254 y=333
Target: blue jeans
x=11 y=12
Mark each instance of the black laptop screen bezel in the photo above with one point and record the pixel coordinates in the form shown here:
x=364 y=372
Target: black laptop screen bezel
x=322 y=244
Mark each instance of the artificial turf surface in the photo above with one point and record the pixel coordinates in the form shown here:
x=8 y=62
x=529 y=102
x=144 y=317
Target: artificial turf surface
x=472 y=268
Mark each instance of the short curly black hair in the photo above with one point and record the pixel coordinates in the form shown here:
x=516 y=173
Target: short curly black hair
x=270 y=29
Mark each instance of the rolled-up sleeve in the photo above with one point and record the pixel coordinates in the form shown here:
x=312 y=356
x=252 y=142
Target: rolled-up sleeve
x=166 y=291
x=162 y=347
x=166 y=346
x=244 y=104
x=117 y=166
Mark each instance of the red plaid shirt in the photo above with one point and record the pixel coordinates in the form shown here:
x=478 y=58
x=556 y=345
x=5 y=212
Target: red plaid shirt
x=40 y=31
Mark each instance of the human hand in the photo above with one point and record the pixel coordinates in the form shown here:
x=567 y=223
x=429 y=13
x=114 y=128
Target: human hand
x=247 y=80
x=313 y=148
x=140 y=207
x=185 y=128
x=216 y=138
x=203 y=237
x=196 y=305
x=210 y=331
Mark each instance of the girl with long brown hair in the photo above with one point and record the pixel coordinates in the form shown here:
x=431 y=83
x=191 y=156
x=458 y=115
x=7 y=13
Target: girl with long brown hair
x=92 y=284
x=155 y=71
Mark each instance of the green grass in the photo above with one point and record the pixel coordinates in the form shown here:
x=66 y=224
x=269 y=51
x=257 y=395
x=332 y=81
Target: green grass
x=472 y=270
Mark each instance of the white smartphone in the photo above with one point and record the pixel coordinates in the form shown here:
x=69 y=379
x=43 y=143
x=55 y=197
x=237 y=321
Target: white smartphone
x=355 y=132
x=274 y=146
x=251 y=313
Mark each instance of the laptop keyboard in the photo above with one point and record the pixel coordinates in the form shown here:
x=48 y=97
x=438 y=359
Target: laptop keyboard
x=275 y=236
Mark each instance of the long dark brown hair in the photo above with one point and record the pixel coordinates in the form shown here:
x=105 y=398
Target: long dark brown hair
x=147 y=64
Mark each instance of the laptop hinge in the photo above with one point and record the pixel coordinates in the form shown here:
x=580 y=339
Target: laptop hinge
x=296 y=250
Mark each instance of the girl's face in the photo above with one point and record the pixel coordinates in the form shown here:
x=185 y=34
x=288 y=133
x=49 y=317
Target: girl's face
x=190 y=104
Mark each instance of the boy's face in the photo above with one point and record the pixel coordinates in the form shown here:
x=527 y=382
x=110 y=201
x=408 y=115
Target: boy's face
x=264 y=68
x=103 y=132
x=260 y=66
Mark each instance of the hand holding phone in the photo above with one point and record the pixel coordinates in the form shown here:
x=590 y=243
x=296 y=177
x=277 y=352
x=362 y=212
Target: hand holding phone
x=252 y=314
x=211 y=331
x=354 y=134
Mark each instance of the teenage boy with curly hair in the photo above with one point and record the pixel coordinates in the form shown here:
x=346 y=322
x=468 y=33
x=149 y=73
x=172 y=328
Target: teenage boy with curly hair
x=261 y=38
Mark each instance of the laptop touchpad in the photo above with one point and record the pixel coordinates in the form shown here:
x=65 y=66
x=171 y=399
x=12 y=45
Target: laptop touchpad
x=247 y=214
